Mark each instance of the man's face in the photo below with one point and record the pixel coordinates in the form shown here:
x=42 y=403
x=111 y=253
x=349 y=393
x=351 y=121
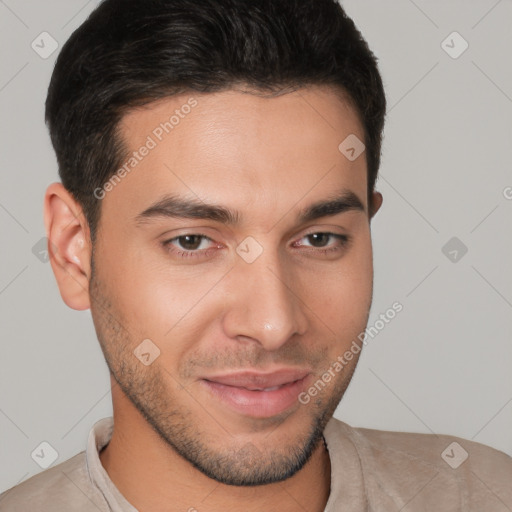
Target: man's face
x=245 y=315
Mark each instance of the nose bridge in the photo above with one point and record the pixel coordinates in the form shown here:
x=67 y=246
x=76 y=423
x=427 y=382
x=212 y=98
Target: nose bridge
x=265 y=306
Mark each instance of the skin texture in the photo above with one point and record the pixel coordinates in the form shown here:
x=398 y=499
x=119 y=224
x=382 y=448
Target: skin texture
x=175 y=446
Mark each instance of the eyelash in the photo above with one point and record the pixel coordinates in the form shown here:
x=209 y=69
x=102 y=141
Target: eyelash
x=343 y=242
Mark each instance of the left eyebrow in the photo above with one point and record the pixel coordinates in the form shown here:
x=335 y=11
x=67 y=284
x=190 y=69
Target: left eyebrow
x=190 y=208
x=347 y=201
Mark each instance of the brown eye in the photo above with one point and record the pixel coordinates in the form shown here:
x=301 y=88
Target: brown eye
x=320 y=242
x=319 y=239
x=189 y=242
x=188 y=245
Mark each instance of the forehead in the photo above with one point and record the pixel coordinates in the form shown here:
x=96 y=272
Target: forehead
x=241 y=149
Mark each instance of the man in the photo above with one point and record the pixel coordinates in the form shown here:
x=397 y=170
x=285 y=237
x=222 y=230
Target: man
x=252 y=128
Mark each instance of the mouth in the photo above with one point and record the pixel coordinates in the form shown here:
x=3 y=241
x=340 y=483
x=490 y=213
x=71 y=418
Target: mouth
x=259 y=395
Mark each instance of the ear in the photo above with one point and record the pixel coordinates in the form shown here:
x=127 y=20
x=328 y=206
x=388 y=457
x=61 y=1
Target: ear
x=376 y=203
x=69 y=246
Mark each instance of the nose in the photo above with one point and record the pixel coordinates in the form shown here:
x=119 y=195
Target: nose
x=264 y=305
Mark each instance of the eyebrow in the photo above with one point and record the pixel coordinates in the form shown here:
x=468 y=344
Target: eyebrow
x=175 y=206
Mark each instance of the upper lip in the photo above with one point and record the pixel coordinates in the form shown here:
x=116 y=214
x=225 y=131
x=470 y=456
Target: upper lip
x=258 y=380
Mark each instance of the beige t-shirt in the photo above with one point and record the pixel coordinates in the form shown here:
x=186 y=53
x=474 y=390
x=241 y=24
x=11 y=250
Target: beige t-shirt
x=371 y=470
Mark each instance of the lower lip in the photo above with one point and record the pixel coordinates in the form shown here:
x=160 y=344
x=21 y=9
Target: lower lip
x=258 y=404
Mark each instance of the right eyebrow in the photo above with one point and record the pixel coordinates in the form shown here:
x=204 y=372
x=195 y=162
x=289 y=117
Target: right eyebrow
x=178 y=207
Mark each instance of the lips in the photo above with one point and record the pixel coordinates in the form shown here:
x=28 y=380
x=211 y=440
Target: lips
x=257 y=394
x=259 y=381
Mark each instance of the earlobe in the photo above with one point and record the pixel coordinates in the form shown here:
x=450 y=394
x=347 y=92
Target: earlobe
x=69 y=245
x=376 y=203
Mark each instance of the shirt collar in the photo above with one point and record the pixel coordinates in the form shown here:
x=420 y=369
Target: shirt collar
x=99 y=436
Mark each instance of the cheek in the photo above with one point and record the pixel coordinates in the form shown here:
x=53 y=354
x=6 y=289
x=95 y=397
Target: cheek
x=159 y=302
x=166 y=304
x=341 y=297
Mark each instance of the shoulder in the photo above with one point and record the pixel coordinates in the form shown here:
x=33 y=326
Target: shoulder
x=439 y=465
x=63 y=487
x=439 y=450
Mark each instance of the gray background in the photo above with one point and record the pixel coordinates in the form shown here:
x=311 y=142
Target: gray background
x=442 y=365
